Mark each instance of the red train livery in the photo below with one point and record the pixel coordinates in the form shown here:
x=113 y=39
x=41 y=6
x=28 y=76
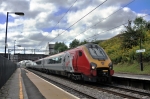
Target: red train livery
x=87 y=62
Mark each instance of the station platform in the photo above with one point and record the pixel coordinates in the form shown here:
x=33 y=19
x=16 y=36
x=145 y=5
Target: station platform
x=24 y=84
x=132 y=76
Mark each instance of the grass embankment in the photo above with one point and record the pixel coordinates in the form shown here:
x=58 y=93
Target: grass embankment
x=133 y=68
x=127 y=60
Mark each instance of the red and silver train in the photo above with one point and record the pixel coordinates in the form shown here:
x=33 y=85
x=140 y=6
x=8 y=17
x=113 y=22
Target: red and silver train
x=87 y=62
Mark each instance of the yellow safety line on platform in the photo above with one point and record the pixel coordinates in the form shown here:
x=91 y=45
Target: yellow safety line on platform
x=20 y=85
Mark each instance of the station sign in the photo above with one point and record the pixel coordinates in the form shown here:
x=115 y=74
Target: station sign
x=141 y=50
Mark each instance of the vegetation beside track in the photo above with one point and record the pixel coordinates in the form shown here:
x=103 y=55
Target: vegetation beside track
x=122 y=48
x=132 y=68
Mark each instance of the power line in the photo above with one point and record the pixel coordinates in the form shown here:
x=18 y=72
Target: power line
x=117 y=26
x=61 y=18
x=80 y=19
x=66 y=12
x=106 y=18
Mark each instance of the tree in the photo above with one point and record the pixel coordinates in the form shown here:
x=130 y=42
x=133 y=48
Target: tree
x=57 y=45
x=60 y=47
x=133 y=34
x=140 y=26
x=74 y=43
x=129 y=37
x=147 y=25
x=83 y=42
x=139 y=23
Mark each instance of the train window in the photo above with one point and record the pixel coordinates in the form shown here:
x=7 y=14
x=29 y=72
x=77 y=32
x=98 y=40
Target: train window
x=60 y=58
x=50 y=61
x=97 y=52
x=54 y=60
x=39 y=62
x=80 y=53
x=64 y=59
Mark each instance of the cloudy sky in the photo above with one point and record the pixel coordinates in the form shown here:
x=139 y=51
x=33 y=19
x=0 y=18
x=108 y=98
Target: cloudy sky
x=64 y=20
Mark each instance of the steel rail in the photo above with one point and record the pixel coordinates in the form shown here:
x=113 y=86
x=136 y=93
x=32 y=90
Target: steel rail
x=103 y=89
x=129 y=90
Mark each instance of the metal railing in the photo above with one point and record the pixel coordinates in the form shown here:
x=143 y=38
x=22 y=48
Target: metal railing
x=7 y=68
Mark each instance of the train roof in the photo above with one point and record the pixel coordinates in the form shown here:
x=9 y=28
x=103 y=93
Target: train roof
x=62 y=53
x=59 y=54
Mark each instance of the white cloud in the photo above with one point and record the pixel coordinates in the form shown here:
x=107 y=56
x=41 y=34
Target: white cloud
x=36 y=6
x=41 y=23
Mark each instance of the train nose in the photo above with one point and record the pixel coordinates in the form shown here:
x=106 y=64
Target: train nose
x=111 y=72
x=94 y=72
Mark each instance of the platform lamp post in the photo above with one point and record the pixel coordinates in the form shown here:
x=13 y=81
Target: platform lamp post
x=17 y=13
x=14 y=46
x=15 y=56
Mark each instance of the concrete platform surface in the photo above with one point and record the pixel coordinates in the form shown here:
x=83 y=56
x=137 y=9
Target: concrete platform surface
x=24 y=84
x=132 y=76
x=14 y=87
x=48 y=90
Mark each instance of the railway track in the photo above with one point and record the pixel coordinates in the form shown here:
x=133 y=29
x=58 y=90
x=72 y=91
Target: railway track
x=133 y=91
x=110 y=89
x=123 y=92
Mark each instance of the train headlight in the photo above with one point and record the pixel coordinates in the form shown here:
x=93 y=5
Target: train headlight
x=93 y=65
x=110 y=66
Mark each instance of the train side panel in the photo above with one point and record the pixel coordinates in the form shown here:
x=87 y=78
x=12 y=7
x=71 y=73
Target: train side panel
x=54 y=63
x=83 y=63
x=80 y=62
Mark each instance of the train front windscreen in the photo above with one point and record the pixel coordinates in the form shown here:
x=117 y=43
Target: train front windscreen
x=97 y=52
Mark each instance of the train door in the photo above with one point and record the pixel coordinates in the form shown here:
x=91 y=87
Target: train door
x=63 y=62
x=68 y=62
x=74 y=60
x=82 y=62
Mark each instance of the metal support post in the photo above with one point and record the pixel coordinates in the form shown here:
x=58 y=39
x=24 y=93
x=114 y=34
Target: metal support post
x=141 y=63
x=6 y=34
x=14 y=49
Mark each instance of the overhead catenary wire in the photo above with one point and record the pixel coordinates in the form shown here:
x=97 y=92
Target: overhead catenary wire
x=80 y=19
x=104 y=18
x=66 y=13
x=61 y=18
x=116 y=26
